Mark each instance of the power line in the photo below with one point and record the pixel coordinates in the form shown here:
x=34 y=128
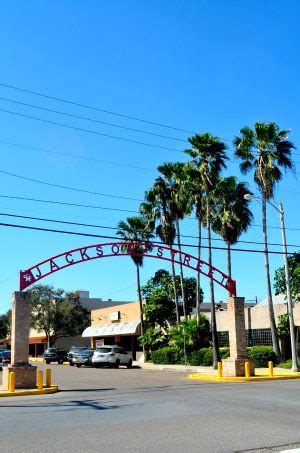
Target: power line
x=77 y=156
x=49 y=230
x=66 y=204
x=77 y=104
x=89 y=131
x=43 y=219
x=92 y=120
x=67 y=187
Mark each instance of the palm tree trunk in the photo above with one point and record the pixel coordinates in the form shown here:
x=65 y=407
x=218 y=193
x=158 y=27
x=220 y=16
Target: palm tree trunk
x=275 y=341
x=175 y=293
x=181 y=269
x=140 y=302
x=228 y=260
x=198 y=288
x=214 y=333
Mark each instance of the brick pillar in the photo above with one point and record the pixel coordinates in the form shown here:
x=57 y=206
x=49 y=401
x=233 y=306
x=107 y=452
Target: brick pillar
x=235 y=365
x=25 y=374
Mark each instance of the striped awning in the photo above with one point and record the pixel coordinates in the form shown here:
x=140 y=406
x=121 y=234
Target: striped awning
x=108 y=330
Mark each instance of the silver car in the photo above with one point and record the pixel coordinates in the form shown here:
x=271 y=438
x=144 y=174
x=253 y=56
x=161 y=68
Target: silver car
x=113 y=356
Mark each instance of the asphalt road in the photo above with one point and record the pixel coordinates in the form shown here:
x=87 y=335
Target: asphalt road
x=140 y=411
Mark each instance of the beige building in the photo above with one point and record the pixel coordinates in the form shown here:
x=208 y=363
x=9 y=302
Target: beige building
x=118 y=323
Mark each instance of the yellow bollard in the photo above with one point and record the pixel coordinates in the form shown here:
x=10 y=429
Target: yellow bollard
x=12 y=376
x=271 y=371
x=220 y=373
x=247 y=369
x=40 y=380
x=48 y=378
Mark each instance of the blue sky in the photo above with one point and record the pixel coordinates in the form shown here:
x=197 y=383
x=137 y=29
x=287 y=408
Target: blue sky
x=196 y=65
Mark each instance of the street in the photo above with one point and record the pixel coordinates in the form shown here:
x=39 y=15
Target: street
x=137 y=410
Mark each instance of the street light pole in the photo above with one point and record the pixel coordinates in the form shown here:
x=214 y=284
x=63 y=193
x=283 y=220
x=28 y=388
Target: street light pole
x=288 y=292
x=287 y=279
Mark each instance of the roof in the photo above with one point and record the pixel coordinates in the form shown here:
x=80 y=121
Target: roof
x=277 y=300
x=107 y=330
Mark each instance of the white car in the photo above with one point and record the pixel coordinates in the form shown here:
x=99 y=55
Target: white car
x=111 y=356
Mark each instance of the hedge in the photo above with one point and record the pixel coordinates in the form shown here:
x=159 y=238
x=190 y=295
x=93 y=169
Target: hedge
x=171 y=355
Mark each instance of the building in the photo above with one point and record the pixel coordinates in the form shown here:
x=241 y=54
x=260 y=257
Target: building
x=116 y=323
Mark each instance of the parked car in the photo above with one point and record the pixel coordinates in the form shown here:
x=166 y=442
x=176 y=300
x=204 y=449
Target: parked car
x=83 y=358
x=111 y=356
x=72 y=351
x=55 y=355
x=4 y=358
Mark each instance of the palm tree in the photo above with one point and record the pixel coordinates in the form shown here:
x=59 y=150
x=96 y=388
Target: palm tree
x=267 y=150
x=231 y=215
x=209 y=157
x=180 y=205
x=197 y=193
x=136 y=230
x=157 y=208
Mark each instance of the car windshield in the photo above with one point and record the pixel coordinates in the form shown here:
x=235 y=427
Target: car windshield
x=75 y=349
x=51 y=350
x=106 y=350
x=86 y=352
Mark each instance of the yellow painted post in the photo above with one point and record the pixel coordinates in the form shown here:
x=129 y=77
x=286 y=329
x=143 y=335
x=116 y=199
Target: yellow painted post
x=220 y=372
x=271 y=371
x=247 y=369
x=12 y=381
x=40 y=380
x=48 y=378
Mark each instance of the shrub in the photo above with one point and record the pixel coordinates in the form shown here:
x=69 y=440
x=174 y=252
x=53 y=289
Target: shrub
x=287 y=364
x=261 y=355
x=205 y=356
x=167 y=356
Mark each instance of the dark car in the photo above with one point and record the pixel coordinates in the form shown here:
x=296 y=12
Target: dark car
x=4 y=358
x=55 y=355
x=72 y=351
x=83 y=358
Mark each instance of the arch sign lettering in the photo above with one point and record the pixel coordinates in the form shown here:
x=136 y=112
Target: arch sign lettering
x=145 y=249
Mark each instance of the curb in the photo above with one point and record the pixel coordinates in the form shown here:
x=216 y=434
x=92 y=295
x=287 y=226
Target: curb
x=243 y=379
x=45 y=391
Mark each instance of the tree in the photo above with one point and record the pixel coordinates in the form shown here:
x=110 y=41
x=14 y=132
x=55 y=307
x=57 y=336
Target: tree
x=156 y=208
x=57 y=313
x=231 y=215
x=136 y=230
x=189 y=336
x=5 y=322
x=159 y=308
x=294 y=273
x=209 y=158
x=152 y=339
x=180 y=205
x=266 y=150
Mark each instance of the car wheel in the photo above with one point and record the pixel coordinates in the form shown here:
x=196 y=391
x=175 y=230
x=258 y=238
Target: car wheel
x=129 y=364
x=78 y=365
x=60 y=361
x=96 y=365
x=71 y=363
x=48 y=362
x=117 y=364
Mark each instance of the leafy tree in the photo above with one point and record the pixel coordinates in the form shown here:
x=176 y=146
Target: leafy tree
x=157 y=209
x=153 y=339
x=231 y=215
x=180 y=205
x=136 y=230
x=209 y=158
x=57 y=313
x=294 y=273
x=5 y=322
x=283 y=328
x=266 y=150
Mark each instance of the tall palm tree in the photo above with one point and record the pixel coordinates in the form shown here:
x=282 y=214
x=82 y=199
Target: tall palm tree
x=231 y=215
x=156 y=208
x=267 y=150
x=197 y=193
x=180 y=205
x=136 y=230
x=209 y=157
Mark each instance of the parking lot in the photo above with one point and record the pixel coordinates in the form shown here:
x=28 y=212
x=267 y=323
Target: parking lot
x=136 y=410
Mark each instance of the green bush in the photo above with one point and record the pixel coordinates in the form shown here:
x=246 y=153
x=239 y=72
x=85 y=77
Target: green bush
x=287 y=364
x=167 y=356
x=205 y=356
x=261 y=355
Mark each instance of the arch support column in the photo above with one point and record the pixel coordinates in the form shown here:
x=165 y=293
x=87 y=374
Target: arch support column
x=235 y=364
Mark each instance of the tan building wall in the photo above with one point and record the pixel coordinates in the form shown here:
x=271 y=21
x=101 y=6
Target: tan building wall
x=126 y=313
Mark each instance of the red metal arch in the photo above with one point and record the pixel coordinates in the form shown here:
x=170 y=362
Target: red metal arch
x=146 y=249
